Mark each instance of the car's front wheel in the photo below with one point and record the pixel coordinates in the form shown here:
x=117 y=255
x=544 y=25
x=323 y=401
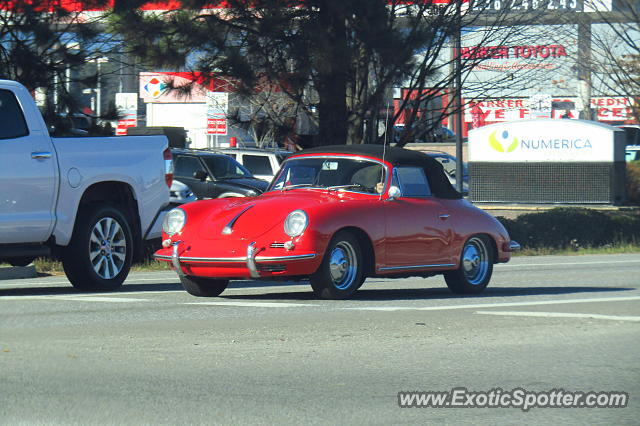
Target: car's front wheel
x=101 y=250
x=476 y=267
x=203 y=287
x=341 y=272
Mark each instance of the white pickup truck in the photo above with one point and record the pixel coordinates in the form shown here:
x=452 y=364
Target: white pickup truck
x=90 y=202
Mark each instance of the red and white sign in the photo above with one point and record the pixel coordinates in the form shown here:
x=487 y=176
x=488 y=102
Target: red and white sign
x=127 y=105
x=216 y=126
x=217 y=107
x=497 y=110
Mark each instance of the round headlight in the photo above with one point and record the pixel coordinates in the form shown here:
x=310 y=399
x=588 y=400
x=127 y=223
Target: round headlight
x=174 y=221
x=295 y=223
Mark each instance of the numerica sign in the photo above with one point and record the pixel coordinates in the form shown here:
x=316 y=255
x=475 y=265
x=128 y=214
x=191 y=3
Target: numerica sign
x=546 y=140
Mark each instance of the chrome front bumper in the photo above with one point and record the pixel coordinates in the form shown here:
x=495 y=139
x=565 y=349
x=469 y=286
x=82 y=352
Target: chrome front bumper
x=251 y=260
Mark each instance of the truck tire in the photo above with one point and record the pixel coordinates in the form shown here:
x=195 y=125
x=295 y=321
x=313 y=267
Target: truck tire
x=20 y=261
x=101 y=250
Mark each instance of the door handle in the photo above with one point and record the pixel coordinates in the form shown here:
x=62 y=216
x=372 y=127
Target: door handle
x=443 y=216
x=40 y=155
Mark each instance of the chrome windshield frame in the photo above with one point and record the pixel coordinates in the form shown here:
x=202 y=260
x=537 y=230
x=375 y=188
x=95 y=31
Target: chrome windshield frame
x=384 y=165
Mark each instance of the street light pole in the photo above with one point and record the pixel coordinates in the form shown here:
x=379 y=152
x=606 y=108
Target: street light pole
x=99 y=85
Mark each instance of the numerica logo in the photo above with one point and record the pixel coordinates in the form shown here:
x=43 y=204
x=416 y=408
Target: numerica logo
x=503 y=142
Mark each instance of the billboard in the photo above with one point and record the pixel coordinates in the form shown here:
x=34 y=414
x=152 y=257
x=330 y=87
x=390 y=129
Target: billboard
x=544 y=140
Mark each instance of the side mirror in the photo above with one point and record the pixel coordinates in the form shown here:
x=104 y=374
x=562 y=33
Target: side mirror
x=201 y=175
x=394 y=193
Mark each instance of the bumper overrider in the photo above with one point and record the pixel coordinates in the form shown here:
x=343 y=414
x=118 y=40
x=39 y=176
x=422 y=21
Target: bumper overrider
x=252 y=265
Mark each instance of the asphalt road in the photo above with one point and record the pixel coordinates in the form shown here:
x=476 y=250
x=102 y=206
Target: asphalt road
x=269 y=353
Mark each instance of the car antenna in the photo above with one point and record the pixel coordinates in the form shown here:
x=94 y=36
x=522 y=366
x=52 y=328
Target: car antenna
x=384 y=143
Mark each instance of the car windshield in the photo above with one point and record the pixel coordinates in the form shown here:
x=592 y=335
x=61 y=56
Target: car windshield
x=225 y=167
x=339 y=173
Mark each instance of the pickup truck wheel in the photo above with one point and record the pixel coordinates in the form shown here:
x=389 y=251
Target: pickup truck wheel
x=341 y=272
x=101 y=250
x=203 y=287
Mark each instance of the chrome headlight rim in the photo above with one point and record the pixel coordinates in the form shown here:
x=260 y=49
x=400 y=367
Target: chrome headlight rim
x=174 y=221
x=296 y=223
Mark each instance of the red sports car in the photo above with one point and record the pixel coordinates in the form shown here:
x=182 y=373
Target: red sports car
x=335 y=216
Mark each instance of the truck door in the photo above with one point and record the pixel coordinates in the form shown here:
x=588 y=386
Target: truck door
x=27 y=175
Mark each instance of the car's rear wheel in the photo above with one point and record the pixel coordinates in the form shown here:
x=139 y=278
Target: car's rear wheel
x=342 y=269
x=203 y=287
x=476 y=267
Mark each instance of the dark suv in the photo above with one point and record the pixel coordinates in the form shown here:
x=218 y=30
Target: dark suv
x=214 y=175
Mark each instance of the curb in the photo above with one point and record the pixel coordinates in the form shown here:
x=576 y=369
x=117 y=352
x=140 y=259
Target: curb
x=17 y=272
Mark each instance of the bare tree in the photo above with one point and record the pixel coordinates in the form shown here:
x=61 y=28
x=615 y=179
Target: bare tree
x=616 y=58
x=336 y=60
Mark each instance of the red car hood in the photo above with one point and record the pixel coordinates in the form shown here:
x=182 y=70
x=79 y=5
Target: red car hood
x=252 y=217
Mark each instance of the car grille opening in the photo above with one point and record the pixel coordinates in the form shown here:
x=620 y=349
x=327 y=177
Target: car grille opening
x=272 y=268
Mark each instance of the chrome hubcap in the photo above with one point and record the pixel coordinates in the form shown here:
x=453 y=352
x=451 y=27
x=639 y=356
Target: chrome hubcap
x=107 y=248
x=475 y=261
x=343 y=265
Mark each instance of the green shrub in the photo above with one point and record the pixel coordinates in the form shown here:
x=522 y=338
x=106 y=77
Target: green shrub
x=562 y=228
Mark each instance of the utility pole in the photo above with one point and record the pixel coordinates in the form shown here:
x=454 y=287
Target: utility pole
x=584 y=67
x=458 y=95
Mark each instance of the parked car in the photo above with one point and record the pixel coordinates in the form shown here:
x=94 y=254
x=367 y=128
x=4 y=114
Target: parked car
x=180 y=193
x=632 y=153
x=214 y=175
x=89 y=202
x=262 y=163
x=337 y=215
x=448 y=162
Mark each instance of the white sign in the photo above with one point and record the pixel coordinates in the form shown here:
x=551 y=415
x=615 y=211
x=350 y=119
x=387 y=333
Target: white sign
x=217 y=104
x=217 y=107
x=544 y=140
x=540 y=106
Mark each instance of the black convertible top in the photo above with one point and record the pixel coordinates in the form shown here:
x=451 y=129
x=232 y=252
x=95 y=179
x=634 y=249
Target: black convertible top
x=440 y=185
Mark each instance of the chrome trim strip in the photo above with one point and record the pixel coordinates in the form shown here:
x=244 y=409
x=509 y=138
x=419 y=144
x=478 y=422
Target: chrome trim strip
x=175 y=259
x=514 y=246
x=356 y=157
x=393 y=268
x=251 y=260
x=239 y=259
x=228 y=229
x=285 y=258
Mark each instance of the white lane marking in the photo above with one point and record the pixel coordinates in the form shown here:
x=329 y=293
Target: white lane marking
x=521 y=265
x=104 y=299
x=76 y=298
x=559 y=315
x=494 y=305
x=252 y=304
